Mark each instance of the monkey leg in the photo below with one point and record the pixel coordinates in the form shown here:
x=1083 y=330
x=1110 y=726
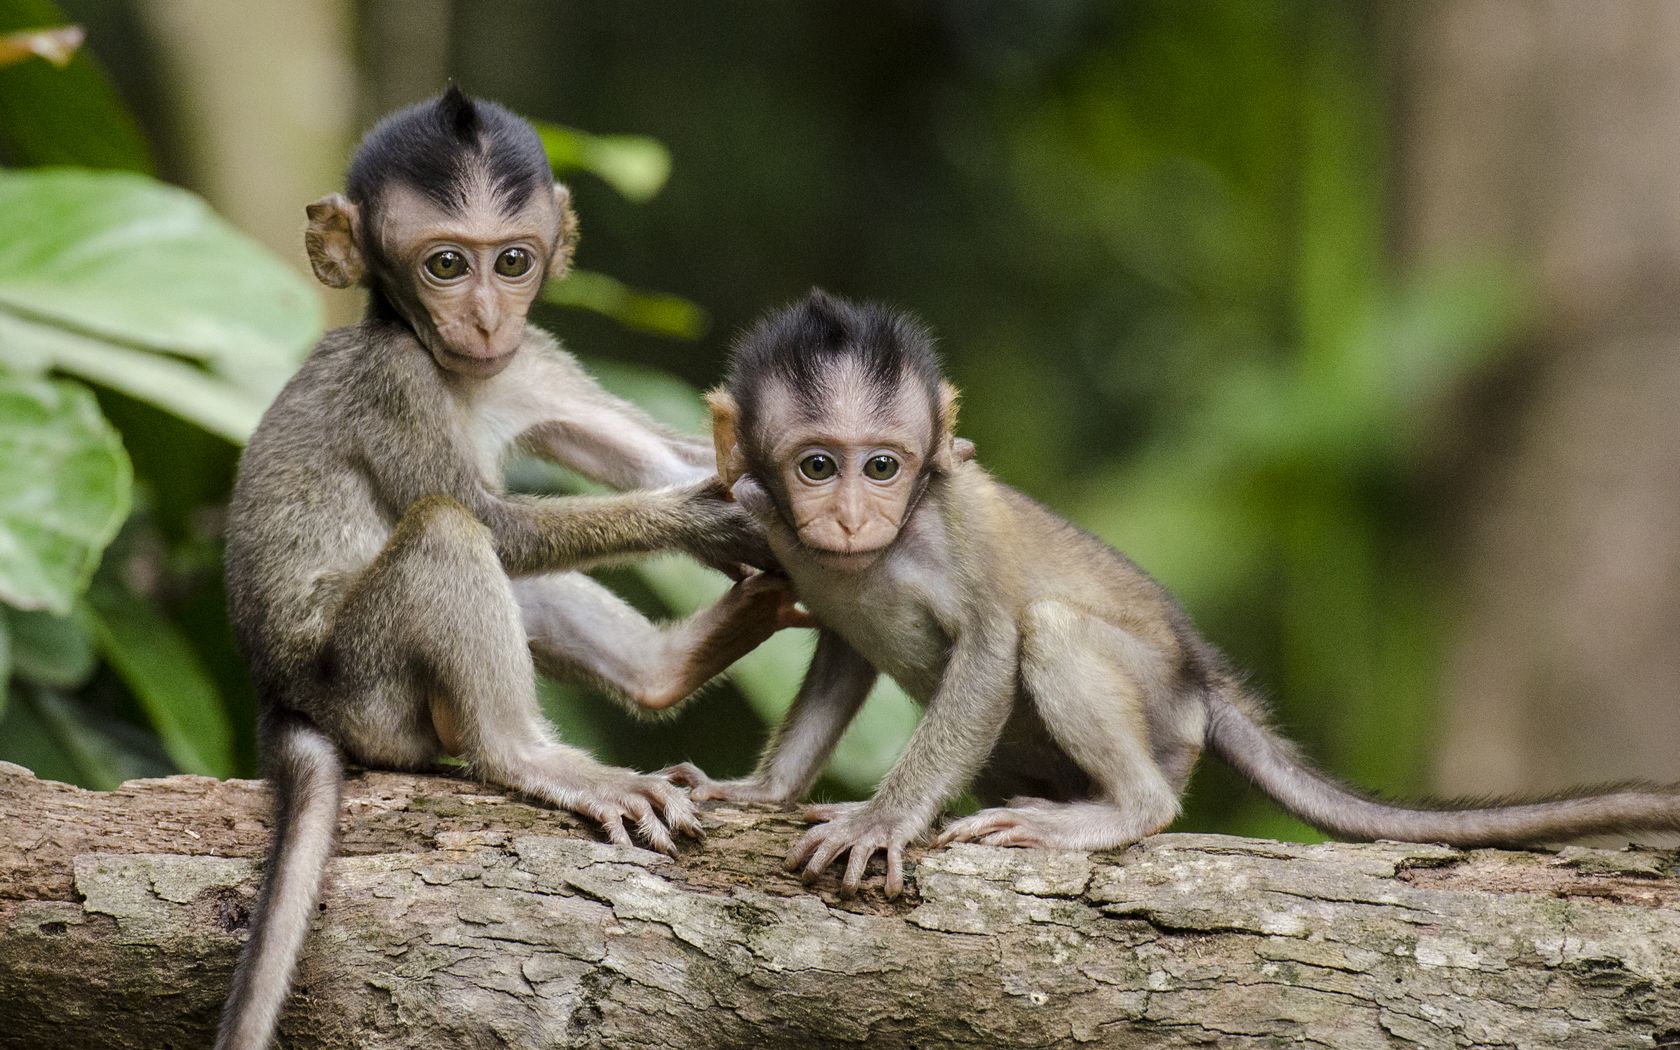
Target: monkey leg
x=1090 y=683
x=429 y=649
x=579 y=629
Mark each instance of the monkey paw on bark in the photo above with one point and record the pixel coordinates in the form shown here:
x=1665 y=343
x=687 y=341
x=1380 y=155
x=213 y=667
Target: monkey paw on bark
x=702 y=788
x=651 y=803
x=861 y=829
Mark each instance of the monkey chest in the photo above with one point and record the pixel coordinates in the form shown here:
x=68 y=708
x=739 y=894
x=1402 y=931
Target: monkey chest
x=896 y=631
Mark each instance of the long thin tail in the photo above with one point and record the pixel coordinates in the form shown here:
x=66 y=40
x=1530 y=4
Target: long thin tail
x=308 y=778
x=1275 y=767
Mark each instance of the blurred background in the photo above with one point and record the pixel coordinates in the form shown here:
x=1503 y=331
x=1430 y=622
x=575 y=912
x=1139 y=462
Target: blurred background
x=1353 y=323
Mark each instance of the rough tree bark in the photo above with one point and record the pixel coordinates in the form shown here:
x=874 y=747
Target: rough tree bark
x=456 y=917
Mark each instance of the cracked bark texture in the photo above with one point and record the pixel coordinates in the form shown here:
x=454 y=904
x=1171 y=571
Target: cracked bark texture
x=454 y=916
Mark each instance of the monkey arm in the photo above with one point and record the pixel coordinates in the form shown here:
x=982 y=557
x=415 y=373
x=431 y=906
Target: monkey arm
x=534 y=534
x=613 y=441
x=957 y=732
x=834 y=688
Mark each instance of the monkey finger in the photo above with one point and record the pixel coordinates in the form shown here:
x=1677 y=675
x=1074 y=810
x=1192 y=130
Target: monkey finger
x=654 y=833
x=794 y=616
x=616 y=833
x=680 y=814
x=822 y=858
x=855 y=865
x=802 y=849
x=968 y=829
x=825 y=811
x=685 y=773
x=1016 y=836
x=895 y=872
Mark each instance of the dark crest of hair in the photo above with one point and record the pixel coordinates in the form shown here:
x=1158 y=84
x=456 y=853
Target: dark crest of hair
x=801 y=343
x=434 y=145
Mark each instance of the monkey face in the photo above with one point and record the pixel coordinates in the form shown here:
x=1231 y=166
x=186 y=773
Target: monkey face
x=463 y=277
x=849 y=471
x=472 y=273
x=849 y=498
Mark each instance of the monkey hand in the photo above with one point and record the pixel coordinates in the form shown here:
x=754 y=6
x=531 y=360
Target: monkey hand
x=702 y=788
x=767 y=600
x=725 y=535
x=651 y=803
x=861 y=829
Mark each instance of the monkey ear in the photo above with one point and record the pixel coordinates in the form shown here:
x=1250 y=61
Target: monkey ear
x=725 y=412
x=560 y=259
x=948 y=449
x=333 y=241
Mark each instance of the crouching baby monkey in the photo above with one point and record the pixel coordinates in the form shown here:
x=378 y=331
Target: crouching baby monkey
x=1054 y=673
x=386 y=591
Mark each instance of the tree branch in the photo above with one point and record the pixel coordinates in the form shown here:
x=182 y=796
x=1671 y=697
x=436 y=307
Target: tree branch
x=456 y=917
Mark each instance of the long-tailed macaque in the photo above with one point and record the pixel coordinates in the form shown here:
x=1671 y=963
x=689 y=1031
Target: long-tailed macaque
x=1054 y=673
x=386 y=591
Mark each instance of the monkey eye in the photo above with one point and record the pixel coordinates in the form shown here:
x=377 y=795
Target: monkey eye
x=817 y=467
x=514 y=262
x=880 y=468
x=446 y=265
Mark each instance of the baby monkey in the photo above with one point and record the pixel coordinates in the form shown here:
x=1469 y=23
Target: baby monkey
x=1054 y=673
x=387 y=593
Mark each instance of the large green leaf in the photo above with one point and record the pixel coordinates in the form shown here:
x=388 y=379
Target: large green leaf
x=167 y=677
x=5 y=664
x=658 y=312
x=132 y=261
x=74 y=742
x=64 y=490
x=52 y=650
x=68 y=115
x=207 y=400
x=634 y=165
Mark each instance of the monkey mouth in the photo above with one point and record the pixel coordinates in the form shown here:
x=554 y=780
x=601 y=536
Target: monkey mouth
x=844 y=558
x=473 y=364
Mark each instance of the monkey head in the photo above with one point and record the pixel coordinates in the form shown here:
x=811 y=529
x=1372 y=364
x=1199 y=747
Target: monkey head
x=840 y=415
x=452 y=220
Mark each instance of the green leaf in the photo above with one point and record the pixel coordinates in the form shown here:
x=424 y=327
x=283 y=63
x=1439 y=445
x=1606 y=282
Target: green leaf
x=167 y=678
x=52 y=650
x=5 y=664
x=100 y=757
x=202 y=398
x=634 y=165
x=661 y=395
x=656 y=312
x=64 y=490
x=68 y=115
x=132 y=261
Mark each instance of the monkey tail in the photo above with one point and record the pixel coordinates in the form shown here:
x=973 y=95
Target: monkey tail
x=1274 y=765
x=308 y=777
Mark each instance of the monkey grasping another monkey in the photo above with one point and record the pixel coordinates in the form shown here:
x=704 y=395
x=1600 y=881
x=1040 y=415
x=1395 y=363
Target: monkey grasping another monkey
x=386 y=591
x=1058 y=679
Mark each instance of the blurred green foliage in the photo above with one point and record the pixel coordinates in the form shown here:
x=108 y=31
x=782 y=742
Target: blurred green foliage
x=1153 y=236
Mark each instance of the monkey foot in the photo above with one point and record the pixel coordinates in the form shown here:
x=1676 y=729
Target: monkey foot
x=1040 y=823
x=702 y=788
x=652 y=805
x=858 y=829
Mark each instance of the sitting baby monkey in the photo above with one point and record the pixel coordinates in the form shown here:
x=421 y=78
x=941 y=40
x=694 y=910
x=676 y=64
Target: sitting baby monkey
x=387 y=592
x=1054 y=673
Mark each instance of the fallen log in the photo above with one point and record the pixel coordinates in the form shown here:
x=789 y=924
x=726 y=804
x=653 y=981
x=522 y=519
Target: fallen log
x=455 y=916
